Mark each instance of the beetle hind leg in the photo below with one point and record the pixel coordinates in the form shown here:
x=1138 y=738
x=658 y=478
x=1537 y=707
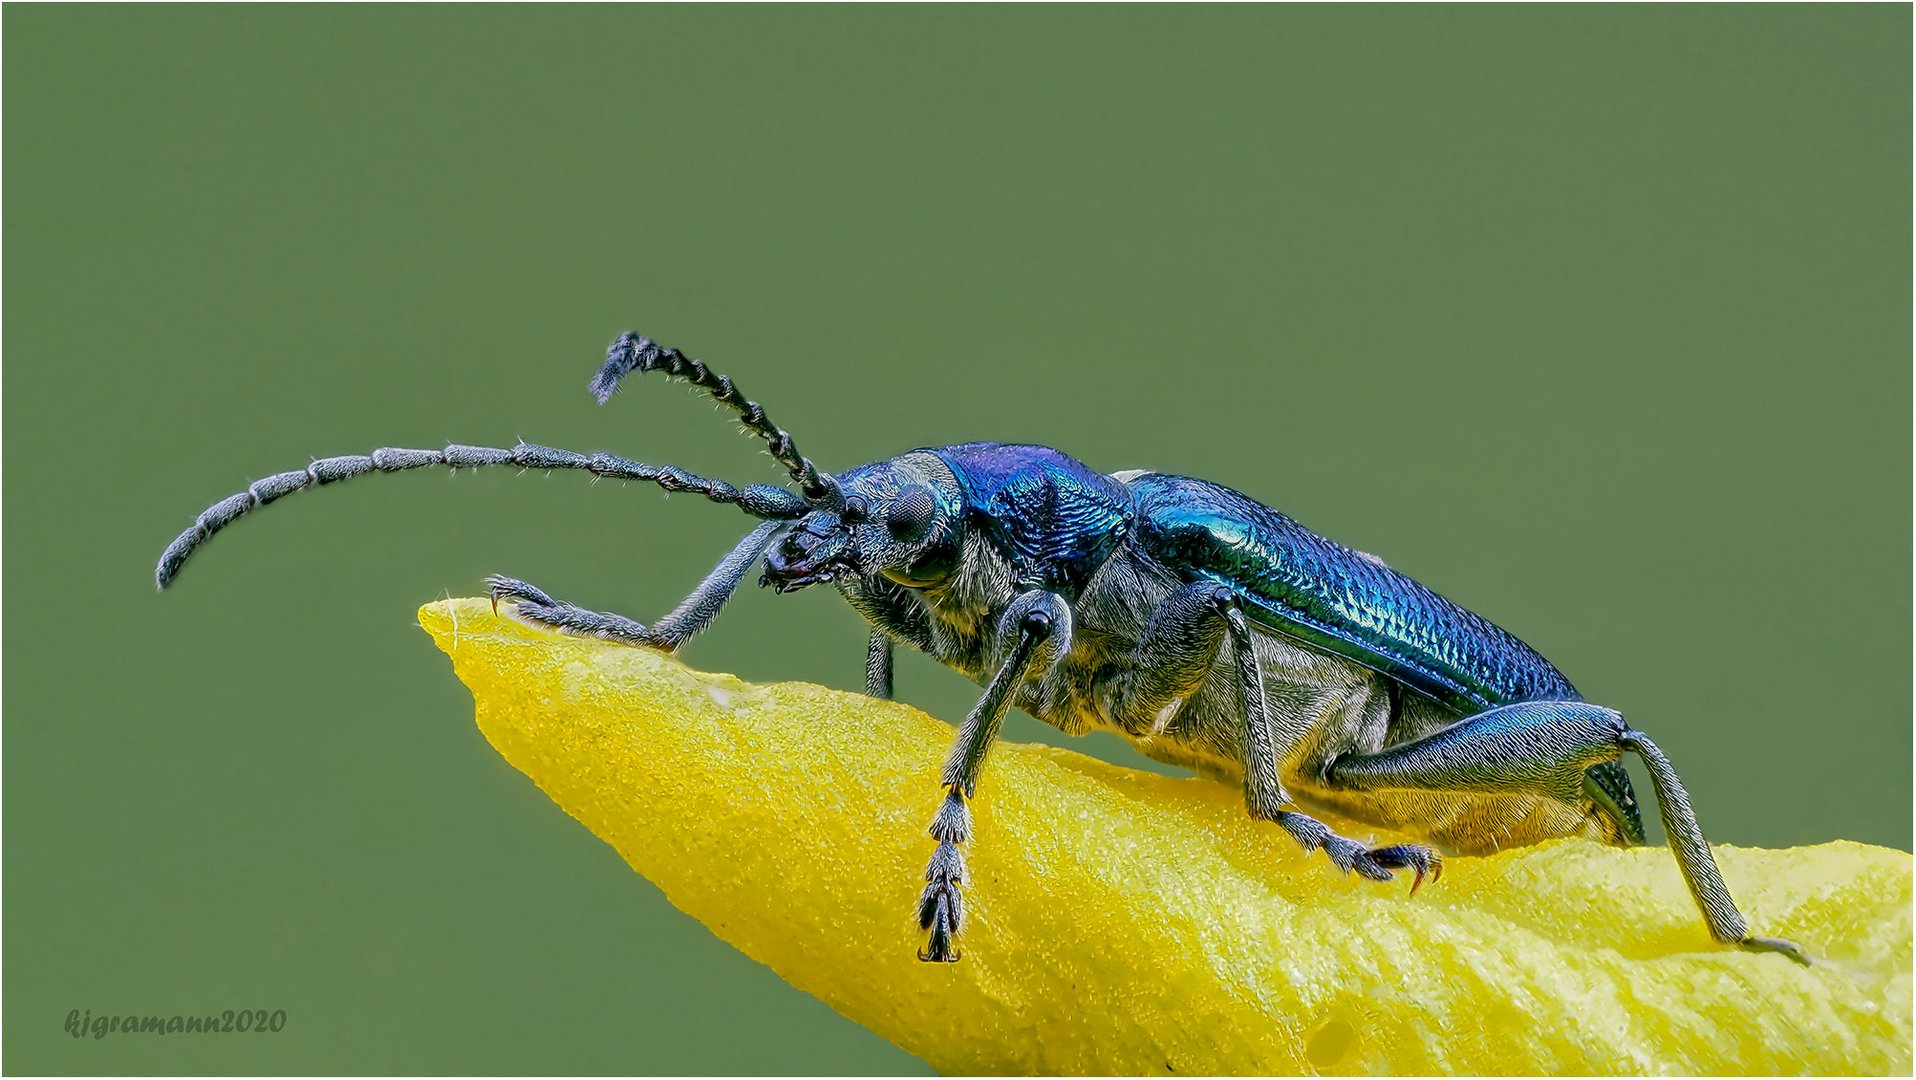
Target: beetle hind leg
x=1546 y=748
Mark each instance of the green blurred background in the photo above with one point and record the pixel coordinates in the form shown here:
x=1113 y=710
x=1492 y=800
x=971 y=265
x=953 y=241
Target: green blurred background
x=1595 y=319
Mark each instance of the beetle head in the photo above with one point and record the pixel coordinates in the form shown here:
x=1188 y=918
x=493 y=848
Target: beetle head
x=903 y=518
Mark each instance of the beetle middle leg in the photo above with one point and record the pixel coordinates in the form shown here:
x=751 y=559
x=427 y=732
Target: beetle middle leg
x=1184 y=639
x=530 y=605
x=1038 y=627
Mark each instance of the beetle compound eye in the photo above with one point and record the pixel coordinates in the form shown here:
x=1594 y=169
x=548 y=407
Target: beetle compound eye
x=911 y=513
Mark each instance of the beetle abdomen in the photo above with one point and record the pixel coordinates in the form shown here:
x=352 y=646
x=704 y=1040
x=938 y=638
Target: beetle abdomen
x=1326 y=595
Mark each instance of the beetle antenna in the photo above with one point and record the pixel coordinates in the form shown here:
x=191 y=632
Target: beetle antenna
x=759 y=500
x=635 y=352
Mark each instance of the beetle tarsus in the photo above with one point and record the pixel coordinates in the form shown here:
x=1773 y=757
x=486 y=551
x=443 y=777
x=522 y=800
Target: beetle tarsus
x=514 y=591
x=529 y=605
x=1376 y=864
x=1420 y=860
x=941 y=907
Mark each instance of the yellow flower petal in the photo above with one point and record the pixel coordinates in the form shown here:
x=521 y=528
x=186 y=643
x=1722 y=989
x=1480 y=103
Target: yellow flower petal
x=1125 y=922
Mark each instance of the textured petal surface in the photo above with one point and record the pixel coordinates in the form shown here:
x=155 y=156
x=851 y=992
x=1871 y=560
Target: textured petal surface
x=1124 y=922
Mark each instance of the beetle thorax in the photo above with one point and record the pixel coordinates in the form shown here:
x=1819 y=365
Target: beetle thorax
x=964 y=610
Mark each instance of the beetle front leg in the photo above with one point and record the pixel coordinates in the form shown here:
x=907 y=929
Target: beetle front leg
x=892 y=613
x=1038 y=626
x=530 y=605
x=878 y=666
x=1544 y=748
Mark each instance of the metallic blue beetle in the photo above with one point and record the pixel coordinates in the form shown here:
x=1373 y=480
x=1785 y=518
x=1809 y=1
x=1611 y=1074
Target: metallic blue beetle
x=1207 y=629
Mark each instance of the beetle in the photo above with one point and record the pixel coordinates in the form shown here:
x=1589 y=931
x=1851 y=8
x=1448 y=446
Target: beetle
x=1207 y=629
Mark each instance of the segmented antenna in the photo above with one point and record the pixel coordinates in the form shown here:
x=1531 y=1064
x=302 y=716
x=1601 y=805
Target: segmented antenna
x=759 y=500
x=635 y=352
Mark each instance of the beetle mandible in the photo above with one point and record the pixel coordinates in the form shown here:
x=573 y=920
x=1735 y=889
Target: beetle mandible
x=1209 y=630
